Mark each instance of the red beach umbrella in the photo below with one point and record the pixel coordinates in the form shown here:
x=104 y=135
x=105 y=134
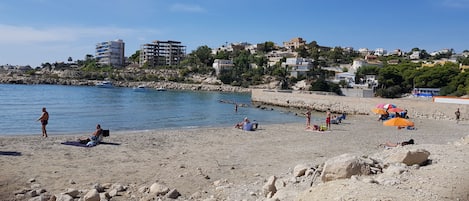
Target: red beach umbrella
x=381 y=105
x=389 y=105
x=395 y=109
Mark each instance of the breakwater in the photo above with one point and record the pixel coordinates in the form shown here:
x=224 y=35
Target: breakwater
x=417 y=108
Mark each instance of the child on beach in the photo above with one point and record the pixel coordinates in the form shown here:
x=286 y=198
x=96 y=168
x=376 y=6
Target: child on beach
x=308 y=118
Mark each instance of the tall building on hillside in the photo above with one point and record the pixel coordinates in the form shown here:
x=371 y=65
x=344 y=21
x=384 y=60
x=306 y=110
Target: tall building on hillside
x=110 y=53
x=162 y=53
x=294 y=43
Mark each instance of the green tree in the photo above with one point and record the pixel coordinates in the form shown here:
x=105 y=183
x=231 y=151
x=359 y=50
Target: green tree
x=363 y=71
x=388 y=77
x=135 y=57
x=437 y=76
x=222 y=54
x=323 y=85
x=204 y=55
x=302 y=52
x=266 y=46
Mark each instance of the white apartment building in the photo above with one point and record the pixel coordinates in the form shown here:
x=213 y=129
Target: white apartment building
x=275 y=56
x=415 y=55
x=298 y=66
x=380 y=52
x=162 y=53
x=111 y=53
x=221 y=64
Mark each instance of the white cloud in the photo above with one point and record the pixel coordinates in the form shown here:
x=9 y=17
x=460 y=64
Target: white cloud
x=27 y=45
x=456 y=3
x=187 y=8
x=26 y=35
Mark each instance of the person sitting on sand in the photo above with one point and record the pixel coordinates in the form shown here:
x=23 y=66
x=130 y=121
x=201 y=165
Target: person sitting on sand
x=317 y=128
x=247 y=125
x=94 y=139
x=336 y=120
x=391 y=144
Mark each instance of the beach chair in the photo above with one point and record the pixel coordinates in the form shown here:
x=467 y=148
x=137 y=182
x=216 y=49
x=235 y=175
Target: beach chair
x=104 y=133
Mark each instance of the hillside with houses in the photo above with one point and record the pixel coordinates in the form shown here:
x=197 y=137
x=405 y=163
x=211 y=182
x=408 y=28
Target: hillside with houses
x=294 y=65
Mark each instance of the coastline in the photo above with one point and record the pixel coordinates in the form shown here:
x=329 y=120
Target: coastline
x=225 y=163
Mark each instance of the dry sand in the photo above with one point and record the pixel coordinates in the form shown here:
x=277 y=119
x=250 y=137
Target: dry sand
x=231 y=164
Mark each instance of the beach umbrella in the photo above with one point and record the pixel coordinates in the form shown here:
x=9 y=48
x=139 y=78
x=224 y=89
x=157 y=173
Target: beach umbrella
x=378 y=111
x=389 y=105
x=381 y=105
x=395 y=109
x=398 y=121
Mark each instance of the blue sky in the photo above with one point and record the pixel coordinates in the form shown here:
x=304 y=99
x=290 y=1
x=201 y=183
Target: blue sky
x=38 y=31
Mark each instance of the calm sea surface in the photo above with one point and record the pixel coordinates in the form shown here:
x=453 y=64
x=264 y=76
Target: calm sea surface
x=77 y=109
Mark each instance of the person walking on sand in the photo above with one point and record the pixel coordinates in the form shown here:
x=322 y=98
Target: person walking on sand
x=458 y=114
x=308 y=118
x=44 y=118
x=328 y=119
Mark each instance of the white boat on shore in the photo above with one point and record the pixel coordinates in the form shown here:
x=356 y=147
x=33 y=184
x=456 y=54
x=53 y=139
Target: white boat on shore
x=105 y=84
x=140 y=88
x=160 y=89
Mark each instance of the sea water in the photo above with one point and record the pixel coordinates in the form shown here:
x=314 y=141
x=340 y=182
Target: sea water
x=77 y=109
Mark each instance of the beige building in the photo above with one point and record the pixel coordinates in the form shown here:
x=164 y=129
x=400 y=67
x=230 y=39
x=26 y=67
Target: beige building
x=294 y=43
x=162 y=53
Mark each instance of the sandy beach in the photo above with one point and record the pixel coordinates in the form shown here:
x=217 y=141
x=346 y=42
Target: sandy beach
x=231 y=164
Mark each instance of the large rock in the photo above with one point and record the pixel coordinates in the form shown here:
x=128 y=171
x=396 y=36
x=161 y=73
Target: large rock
x=158 y=189
x=269 y=188
x=408 y=157
x=72 y=192
x=64 y=197
x=344 y=166
x=300 y=170
x=92 y=195
x=173 y=194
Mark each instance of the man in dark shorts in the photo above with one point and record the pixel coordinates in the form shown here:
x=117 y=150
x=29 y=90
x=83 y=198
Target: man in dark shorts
x=44 y=118
x=458 y=114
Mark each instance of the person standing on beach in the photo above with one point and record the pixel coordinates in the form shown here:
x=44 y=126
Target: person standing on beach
x=44 y=118
x=308 y=118
x=328 y=119
x=458 y=114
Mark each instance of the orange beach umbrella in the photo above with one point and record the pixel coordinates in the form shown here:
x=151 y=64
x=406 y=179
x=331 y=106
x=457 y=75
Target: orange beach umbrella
x=398 y=121
x=378 y=111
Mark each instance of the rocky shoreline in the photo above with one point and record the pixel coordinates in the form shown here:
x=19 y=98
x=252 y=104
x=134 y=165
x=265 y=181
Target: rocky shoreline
x=152 y=84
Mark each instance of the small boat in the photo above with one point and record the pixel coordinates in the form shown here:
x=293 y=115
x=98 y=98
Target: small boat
x=140 y=88
x=104 y=84
x=160 y=89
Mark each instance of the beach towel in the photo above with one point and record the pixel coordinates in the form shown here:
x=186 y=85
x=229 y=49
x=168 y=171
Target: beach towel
x=74 y=143
x=78 y=144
